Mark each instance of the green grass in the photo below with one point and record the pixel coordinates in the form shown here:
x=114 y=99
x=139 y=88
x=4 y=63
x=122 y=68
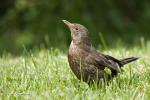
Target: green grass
x=47 y=75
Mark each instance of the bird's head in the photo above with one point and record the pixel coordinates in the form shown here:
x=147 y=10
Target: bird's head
x=79 y=33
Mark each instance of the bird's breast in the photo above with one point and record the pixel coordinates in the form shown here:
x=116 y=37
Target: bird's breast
x=76 y=58
x=76 y=54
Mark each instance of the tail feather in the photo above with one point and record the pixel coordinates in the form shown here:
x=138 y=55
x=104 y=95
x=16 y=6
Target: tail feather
x=128 y=60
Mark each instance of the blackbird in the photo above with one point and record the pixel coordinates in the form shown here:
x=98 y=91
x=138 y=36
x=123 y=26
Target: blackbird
x=85 y=62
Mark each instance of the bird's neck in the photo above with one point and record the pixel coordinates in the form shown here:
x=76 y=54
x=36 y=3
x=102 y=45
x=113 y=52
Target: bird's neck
x=84 y=44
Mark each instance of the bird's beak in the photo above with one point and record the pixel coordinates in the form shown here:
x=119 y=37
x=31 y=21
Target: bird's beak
x=70 y=25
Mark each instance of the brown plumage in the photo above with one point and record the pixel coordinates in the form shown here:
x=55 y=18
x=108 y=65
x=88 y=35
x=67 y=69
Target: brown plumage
x=85 y=62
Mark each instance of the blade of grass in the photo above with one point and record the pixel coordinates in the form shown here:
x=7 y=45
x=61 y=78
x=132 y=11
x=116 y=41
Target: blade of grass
x=103 y=40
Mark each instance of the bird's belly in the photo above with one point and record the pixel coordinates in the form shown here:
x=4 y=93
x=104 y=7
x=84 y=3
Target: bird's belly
x=85 y=71
x=75 y=66
x=80 y=67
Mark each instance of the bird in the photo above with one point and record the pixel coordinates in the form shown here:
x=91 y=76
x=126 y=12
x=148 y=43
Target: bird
x=86 y=62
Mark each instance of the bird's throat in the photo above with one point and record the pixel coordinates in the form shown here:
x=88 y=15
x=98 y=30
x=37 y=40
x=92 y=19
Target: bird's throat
x=81 y=44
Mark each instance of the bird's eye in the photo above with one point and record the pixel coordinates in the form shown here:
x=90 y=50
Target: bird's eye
x=76 y=29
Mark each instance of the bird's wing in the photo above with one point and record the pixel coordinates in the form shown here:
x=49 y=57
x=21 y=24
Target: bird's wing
x=114 y=59
x=100 y=60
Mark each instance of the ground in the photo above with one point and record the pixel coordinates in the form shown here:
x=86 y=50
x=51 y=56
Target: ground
x=47 y=75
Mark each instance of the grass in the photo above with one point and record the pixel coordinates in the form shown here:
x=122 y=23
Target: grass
x=47 y=75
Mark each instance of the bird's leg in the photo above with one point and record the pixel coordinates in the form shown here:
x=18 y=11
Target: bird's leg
x=113 y=74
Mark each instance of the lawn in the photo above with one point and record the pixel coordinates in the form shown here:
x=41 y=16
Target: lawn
x=47 y=75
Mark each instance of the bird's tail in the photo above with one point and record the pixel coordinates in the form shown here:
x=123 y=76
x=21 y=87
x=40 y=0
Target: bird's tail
x=128 y=60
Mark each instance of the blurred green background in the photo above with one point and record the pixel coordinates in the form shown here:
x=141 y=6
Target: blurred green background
x=37 y=23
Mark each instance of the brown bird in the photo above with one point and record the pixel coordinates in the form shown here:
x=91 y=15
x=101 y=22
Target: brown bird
x=86 y=63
